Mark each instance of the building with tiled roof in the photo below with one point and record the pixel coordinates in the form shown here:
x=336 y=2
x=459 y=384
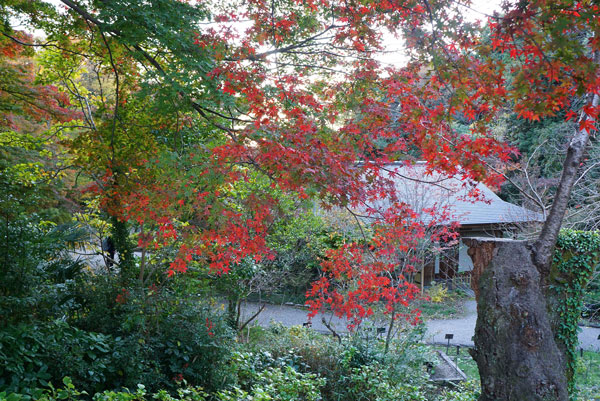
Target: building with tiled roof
x=477 y=209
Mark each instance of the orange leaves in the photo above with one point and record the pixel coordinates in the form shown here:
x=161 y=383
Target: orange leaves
x=528 y=114
x=22 y=97
x=553 y=63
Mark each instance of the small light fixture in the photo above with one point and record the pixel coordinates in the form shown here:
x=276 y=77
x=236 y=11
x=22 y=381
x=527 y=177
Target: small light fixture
x=448 y=337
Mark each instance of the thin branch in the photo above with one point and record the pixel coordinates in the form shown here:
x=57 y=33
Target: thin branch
x=587 y=170
x=252 y=317
x=116 y=111
x=47 y=44
x=335 y=334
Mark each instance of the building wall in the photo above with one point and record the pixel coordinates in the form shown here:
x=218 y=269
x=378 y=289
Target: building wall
x=465 y=263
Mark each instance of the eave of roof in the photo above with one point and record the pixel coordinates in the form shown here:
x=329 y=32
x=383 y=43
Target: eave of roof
x=422 y=190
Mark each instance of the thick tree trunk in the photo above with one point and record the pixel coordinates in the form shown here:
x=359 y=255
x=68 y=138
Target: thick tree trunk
x=515 y=349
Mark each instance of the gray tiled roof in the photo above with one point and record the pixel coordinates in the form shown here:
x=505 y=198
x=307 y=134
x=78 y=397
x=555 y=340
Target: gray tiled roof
x=422 y=190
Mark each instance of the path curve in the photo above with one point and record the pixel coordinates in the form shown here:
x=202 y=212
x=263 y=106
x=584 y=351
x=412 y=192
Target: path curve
x=462 y=328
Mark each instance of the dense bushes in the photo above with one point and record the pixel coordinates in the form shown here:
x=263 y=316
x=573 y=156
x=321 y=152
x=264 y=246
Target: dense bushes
x=357 y=368
x=38 y=274
x=71 y=393
x=106 y=336
x=283 y=364
x=34 y=355
x=272 y=383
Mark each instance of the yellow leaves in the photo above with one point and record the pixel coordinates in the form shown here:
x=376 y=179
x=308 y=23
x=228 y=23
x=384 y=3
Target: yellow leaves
x=27 y=174
x=46 y=153
x=437 y=292
x=46 y=224
x=14 y=139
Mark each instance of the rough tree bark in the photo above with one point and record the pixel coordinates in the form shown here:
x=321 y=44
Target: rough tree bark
x=515 y=348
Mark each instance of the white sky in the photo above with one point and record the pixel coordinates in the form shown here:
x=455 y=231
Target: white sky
x=394 y=48
x=393 y=54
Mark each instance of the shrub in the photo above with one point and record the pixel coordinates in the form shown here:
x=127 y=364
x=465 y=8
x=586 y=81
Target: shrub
x=38 y=274
x=70 y=392
x=437 y=292
x=276 y=383
x=374 y=383
x=194 y=346
x=467 y=391
x=165 y=332
x=400 y=372
x=33 y=355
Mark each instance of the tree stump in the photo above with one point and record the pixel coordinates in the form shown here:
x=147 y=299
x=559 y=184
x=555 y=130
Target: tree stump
x=515 y=349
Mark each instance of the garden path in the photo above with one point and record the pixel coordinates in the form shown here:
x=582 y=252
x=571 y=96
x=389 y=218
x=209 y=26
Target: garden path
x=463 y=328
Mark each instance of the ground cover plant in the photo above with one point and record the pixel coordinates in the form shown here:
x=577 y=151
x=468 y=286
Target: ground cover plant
x=440 y=303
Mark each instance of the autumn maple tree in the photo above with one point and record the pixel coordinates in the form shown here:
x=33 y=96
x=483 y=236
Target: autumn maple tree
x=272 y=97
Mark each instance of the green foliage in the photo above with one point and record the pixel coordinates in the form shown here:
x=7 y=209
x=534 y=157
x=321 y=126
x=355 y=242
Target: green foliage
x=577 y=253
x=70 y=392
x=452 y=307
x=587 y=375
x=544 y=136
x=124 y=247
x=38 y=273
x=347 y=366
x=34 y=355
x=151 y=337
x=166 y=332
x=467 y=391
x=373 y=382
x=276 y=383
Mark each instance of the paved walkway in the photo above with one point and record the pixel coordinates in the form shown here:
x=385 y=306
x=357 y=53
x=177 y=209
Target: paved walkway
x=462 y=328
x=292 y=316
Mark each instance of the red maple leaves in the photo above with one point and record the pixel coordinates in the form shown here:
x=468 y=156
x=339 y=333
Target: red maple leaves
x=297 y=97
x=361 y=276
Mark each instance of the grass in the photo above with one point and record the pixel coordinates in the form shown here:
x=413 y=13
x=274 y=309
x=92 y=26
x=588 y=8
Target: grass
x=587 y=375
x=462 y=359
x=447 y=309
x=442 y=303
